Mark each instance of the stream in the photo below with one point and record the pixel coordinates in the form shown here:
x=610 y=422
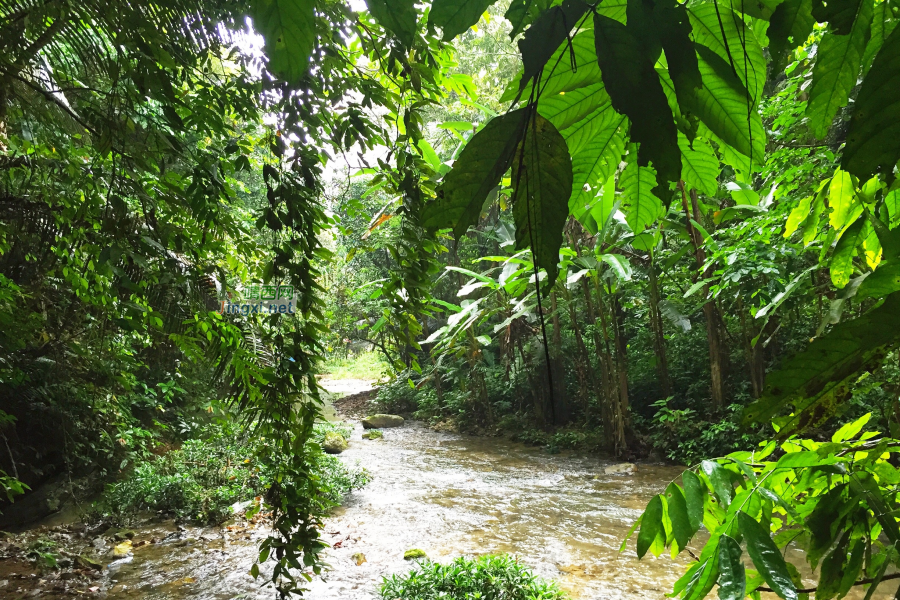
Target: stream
x=447 y=495
x=444 y=493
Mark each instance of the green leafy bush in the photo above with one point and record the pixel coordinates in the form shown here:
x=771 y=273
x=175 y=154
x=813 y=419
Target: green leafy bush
x=486 y=578
x=202 y=479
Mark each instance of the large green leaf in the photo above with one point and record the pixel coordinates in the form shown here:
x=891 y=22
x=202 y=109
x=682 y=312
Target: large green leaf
x=798 y=214
x=766 y=557
x=873 y=139
x=674 y=29
x=641 y=207
x=705 y=575
x=522 y=12
x=699 y=165
x=883 y=24
x=456 y=16
x=476 y=172
x=720 y=480
x=542 y=183
x=564 y=77
x=732 y=577
x=791 y=24
x=636 y=92
x=883 y=281
x=818 y=380
x=841 y=266
x=838 y=61
x=832 y=569
x=678 y=515
x=614 y=9
x=722 y=106
x=750 y=66
x=289 y=30
x=597 y=152
x=694 y=492
x=839 y=14
x=842 y=199
x=397 y=16
x=565 y=110
x=652 y=535
x=544 y=37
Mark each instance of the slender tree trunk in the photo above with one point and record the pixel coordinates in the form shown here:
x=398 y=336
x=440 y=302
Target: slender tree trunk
x=615 y=405
x=717 y=356
x=582 y=361
x=659 y=339
x=561 y=408
x=621 y=358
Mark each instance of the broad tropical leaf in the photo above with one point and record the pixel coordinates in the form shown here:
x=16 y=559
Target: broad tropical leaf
x=694 y=491
x=873 y=139
x=838 y=61
x=456 y=16
x=564 y=110
x=652 y=535
x=544 y=37
x=766 y=557
x=641 y=207
x=289 y=30
x=749 y=66
x=678 y=515
x=563 y=77
x=397 y=16
x=636 y=92
x=791 y=24
x=842 y=260
x=521 y=12
x=839 y=14
x=720 y=479
x=674 y=31
x=842 y=199
x=596 y=160
x=584 y=131
x=732 y=577
x=476 y=172
x=699 y=165
x=883 y=24
x=542 y=183
x=722 y=106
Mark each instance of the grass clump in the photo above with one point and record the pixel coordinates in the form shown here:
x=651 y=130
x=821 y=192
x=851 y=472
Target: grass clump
x=365 y=365
x=486 y=578
x=202 y=479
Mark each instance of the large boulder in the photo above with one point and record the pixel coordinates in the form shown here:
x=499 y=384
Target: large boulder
x=382 y=421
x=334 y=443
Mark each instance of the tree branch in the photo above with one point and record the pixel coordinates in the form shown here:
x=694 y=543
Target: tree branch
x=860 y=582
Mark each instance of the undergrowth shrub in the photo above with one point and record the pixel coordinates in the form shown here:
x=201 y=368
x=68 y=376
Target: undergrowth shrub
x=202 y=479
x=681 y=436
x=485 y=578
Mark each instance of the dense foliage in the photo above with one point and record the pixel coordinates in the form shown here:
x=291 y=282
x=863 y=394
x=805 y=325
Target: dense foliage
x=488 y=577
x=203 y=479
x=636 y=225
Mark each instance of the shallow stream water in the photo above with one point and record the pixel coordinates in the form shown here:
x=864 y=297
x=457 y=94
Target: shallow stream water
x=448 y=495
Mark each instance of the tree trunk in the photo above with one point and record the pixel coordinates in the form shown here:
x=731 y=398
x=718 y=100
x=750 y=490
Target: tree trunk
x=583 y=370
x=561 y=403
x=717 y=356
x=659 y=339
x=614 y=407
